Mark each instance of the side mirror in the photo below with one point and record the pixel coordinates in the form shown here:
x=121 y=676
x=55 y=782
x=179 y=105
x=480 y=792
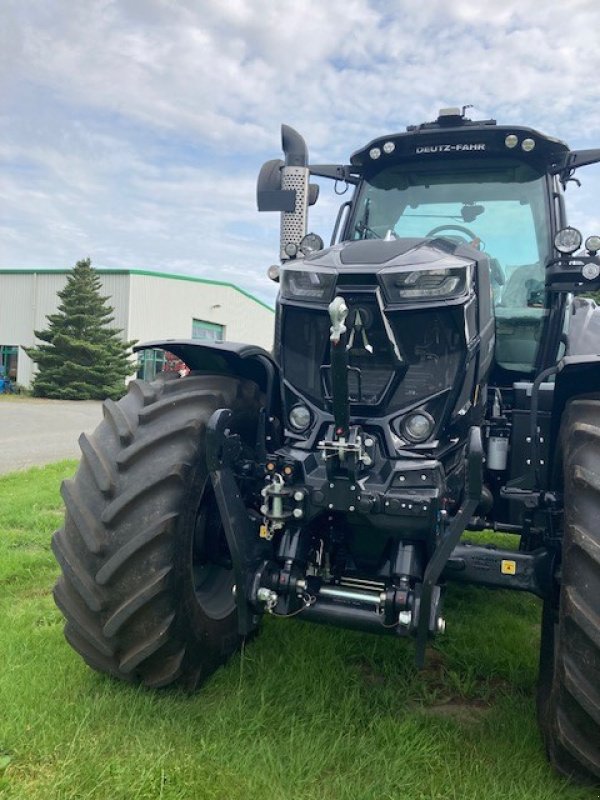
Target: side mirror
x=269 y=194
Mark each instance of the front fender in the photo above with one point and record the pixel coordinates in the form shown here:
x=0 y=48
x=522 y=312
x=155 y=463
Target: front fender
x=576 y=375
x=578 y=372
x=246 y=361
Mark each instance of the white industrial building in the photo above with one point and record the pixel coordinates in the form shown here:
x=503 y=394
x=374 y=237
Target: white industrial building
x=147 y=306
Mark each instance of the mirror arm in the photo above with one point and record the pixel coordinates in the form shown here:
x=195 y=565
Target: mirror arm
x=336 y=172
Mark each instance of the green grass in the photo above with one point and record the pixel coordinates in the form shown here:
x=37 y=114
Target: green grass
x=306 y=713
x=14 y=398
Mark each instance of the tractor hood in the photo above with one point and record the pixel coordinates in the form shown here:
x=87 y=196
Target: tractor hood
x=372 y=252
x=407 y=272
x=419 y=324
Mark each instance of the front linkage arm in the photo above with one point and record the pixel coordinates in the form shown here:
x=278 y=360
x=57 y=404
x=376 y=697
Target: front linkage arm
x=449 y=537
x=247 y=551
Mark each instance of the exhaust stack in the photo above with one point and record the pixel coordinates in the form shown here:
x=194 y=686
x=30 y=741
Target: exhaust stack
x=294 y=177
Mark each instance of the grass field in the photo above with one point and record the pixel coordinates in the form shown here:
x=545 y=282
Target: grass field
x=14 y=398
x=306 y=712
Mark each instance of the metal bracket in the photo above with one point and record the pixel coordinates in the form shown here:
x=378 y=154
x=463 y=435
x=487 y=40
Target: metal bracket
x=450 y=537
x=246 y=550
x=508 y=569
x=342 y=448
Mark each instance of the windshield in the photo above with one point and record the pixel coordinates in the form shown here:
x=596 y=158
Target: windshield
x=500 y=209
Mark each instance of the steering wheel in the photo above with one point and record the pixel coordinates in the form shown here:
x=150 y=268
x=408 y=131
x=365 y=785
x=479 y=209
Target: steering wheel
x=458 y=228
x=495 y=268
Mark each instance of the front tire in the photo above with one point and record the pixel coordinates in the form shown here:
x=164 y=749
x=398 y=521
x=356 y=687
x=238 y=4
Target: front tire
x=569 y=688
x=146 y=584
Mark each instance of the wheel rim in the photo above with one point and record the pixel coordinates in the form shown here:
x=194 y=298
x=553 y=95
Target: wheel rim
x=212 y=574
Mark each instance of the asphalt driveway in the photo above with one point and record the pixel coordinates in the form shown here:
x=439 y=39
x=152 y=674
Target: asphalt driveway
x=35 y=432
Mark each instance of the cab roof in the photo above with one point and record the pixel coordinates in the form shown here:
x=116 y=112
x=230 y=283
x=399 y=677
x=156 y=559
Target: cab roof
x=453 y=136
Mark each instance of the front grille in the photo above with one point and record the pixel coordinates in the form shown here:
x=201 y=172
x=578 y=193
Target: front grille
x=365 y=386
x=370 y=372
x=430 y=348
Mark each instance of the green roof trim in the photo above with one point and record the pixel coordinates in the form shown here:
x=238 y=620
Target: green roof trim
x=150 y=273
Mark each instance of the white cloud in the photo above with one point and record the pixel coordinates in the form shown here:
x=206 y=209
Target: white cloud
x=134 y=129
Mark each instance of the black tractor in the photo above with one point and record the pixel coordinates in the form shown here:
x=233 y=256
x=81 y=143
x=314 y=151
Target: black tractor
x=435 y=369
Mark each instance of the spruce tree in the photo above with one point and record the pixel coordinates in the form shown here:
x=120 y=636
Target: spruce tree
x=83 y=358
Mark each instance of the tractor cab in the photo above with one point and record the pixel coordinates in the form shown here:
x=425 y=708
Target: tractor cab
x=496 y=188
x=501 y=208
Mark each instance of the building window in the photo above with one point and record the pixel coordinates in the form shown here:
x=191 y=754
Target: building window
x=150 y=363
x=207 y=331
x=9 y=356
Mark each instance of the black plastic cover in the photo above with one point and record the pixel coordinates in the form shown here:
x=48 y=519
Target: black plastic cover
x=469 y=139
x=375 y=252
x=234 y=358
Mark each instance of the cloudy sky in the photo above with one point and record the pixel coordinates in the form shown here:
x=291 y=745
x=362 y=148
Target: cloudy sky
x=133 y=130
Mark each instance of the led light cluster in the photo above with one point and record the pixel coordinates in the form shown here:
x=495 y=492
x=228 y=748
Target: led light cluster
x=311 y=243
x=375 y=152
x=401 y=285
x=300 y=282
x=512 y=141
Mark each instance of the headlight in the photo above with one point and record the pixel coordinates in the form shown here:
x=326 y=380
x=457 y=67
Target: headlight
x=307 y=285
x=273 y=272
x=567 y=240
x=311 y=243
x=592 y=244
x=425 y=284
x=299 y=418
x=417 y=427
x=590 y=271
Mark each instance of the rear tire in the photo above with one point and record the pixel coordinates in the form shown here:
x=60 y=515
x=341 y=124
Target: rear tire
x=569 y=688
x=146 y=585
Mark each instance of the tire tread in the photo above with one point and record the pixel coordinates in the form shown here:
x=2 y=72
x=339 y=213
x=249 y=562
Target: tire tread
x=118 y=588
x=568 y=698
